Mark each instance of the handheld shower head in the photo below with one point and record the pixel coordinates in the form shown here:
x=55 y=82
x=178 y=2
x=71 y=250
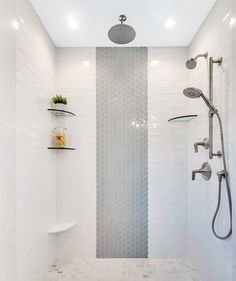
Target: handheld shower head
x=192 y=93
x=195 y=93
x=192 y=62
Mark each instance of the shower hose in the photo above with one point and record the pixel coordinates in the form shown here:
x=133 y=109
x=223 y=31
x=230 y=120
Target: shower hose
x=221 y=175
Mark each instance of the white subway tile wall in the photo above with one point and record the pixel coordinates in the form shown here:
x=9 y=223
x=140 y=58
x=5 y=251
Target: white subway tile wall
x=167 y=153
x=36 y=166
x=212 y=257
x=7 y=148
x=76 y=170
x=233 y=134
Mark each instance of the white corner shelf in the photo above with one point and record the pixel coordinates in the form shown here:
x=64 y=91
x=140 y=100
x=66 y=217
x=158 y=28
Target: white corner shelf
x=61 y=227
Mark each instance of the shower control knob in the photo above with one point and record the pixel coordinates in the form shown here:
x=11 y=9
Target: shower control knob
x=205 y=171
x=204 y=143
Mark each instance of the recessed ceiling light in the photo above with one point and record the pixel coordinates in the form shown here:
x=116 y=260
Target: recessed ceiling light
x=170 y=23
x=16 y=24
x=73 y=24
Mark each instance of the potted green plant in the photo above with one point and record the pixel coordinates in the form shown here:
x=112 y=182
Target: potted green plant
x=59 y=102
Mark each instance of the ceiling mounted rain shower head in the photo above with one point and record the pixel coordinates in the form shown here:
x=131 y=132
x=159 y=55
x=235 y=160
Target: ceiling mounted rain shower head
x=121 y=33
x=192 y=62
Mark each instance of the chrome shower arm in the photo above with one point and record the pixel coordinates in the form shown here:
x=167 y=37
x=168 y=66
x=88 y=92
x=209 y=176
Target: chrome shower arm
x=205 y=55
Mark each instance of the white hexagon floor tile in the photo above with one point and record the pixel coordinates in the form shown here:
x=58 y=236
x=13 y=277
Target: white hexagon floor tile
x=125 y=270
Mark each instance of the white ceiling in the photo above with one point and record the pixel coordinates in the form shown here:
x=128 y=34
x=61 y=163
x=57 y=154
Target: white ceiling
x=148 y=17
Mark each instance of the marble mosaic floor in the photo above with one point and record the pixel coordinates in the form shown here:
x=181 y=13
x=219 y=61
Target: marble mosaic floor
x=125 y=270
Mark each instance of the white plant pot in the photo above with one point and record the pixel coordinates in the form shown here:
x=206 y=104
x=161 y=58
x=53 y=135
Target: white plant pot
x=60 y=106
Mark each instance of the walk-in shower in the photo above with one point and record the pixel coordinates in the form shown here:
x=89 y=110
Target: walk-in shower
x=197 y=93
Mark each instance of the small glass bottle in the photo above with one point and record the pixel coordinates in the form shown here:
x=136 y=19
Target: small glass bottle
x=59 y=137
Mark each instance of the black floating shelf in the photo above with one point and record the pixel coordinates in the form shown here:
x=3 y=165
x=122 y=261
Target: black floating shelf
x=61 y=148
x=59 y=112
x=183 y=118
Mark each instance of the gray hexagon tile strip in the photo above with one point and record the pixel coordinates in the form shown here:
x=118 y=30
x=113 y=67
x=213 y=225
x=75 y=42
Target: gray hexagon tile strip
x=122 y=153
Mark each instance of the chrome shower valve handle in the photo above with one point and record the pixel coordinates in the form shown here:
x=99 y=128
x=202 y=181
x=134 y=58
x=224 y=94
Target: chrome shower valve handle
x=205 y=171
x=204 y=143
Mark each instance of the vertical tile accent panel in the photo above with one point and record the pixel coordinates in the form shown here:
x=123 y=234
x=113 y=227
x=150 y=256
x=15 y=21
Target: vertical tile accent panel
x=122 y=164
